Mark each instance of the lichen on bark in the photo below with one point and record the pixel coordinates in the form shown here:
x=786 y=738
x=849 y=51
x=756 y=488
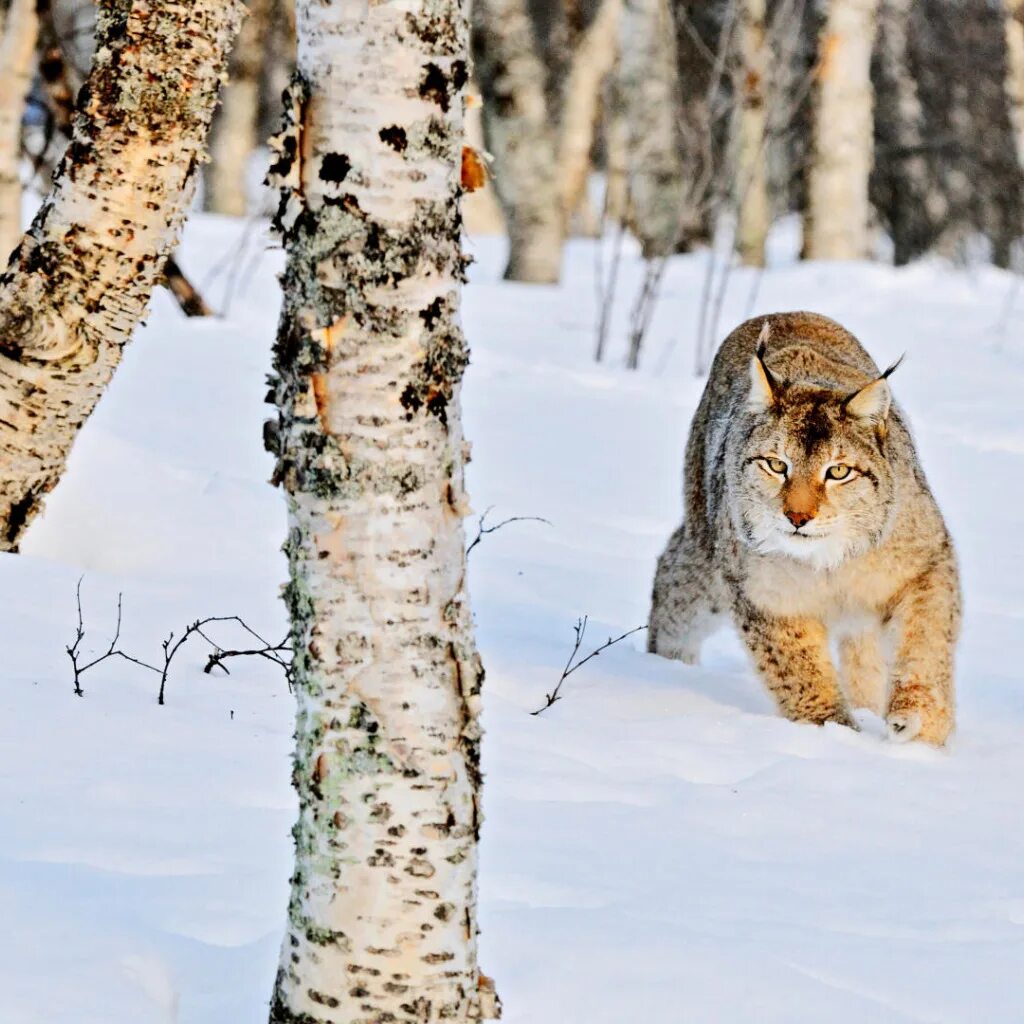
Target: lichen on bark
x=367 y=438
x=81 y=277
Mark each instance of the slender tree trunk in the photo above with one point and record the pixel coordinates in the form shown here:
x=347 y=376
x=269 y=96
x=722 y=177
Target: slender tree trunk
x=900 y=184
x=521 y=135
x=592 y=62
x=61 y=81
x=1015 y=70
x=81 y=277
x=753 y=206
x=18 y=27
x=234 y=135
x=382 y=918
x=837 y=217
x=648 y=87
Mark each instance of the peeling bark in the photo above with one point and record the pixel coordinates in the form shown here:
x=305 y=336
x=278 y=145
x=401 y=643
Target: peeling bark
x=838 y=213
x=18 y=27
x=81 y=277
x=368 y=362
x=521 y=134
x=234 y=135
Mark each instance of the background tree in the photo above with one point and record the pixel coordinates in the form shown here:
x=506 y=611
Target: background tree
x=901 y=188
x=648 y=90
x=837 y=216
x=520 y=132
x=18 y=26
x=234 y=136
x=81 y=277
x=752 y=200
x=368 y=362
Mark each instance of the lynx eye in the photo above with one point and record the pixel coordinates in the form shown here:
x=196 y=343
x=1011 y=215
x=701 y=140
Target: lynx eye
x=840 y=471
x=777 y=466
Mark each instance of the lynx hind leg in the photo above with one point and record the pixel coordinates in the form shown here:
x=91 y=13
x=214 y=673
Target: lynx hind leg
x=684 y=610
x=864 y=672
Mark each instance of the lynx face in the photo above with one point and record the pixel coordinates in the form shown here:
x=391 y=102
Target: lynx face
x=814 y=482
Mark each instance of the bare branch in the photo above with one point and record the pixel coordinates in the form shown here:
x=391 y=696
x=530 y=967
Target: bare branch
x=483 y=530
x=277 y=653
x=572 y=665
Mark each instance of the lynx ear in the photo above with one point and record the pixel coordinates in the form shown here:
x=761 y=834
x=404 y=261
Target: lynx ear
x=873 y=401
x=763 y=384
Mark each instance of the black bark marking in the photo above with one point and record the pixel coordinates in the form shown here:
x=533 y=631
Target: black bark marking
x=394 y=137
x=19 y=514
x=434 y=86
x=432 y=314
x=335 y=167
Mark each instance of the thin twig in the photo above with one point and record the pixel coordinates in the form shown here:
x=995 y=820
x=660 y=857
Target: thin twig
x=482 y=530
x=171 y=646
x=111 y=652
x=580 y=628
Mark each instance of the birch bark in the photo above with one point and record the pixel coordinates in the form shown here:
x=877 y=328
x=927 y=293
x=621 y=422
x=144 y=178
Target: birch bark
x=648 y=88
x=18 y=28
x=1015 y=71
x=233 y=137
x=521 y=135
x=591 y=64
x=81 y=277
x=753 y=209
x=837 y=216
x=382 y=917
x=901 y=182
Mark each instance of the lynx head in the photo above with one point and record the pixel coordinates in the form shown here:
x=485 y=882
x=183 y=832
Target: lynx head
x=814 y=481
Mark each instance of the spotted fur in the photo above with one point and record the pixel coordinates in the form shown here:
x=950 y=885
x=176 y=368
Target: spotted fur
x=802 y=561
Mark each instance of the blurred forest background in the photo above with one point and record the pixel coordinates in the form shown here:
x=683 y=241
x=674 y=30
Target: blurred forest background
x=892 y=128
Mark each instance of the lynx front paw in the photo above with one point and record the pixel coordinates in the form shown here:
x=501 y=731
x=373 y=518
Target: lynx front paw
x=915 y=713
x=904 y=726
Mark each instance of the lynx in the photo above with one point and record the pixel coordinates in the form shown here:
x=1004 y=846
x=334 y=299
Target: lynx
x=809 y=522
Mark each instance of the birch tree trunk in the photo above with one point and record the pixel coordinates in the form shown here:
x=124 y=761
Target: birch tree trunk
x=592 y=62
x=234 y=135
x=901 y=183
x=1015 y=70
x=648 y=87
x=837 y=216
x=81 y=277
x=753 y=207
x=18 y=28
x=382 y=917
x=521 y=135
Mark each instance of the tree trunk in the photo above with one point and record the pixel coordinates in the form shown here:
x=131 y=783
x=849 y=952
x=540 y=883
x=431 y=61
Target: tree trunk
x=753 y=207
x=592 y=62
x=900 y=183
x=1015 y=70
x=521 y=135
x=382 y=917
x=837 y=217
x=81 y=278
x=18 y=26
x=234 y=135
x=648 y=88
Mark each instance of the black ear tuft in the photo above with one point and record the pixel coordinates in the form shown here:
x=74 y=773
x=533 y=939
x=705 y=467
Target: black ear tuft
x=895 y=366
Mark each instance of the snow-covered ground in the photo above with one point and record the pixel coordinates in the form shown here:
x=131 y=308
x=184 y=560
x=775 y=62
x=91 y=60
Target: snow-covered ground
x=659 y=846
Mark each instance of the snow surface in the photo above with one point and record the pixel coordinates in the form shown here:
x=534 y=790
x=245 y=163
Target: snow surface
x=659 y=846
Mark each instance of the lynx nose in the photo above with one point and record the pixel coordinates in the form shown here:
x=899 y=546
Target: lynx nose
x=798 y=518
